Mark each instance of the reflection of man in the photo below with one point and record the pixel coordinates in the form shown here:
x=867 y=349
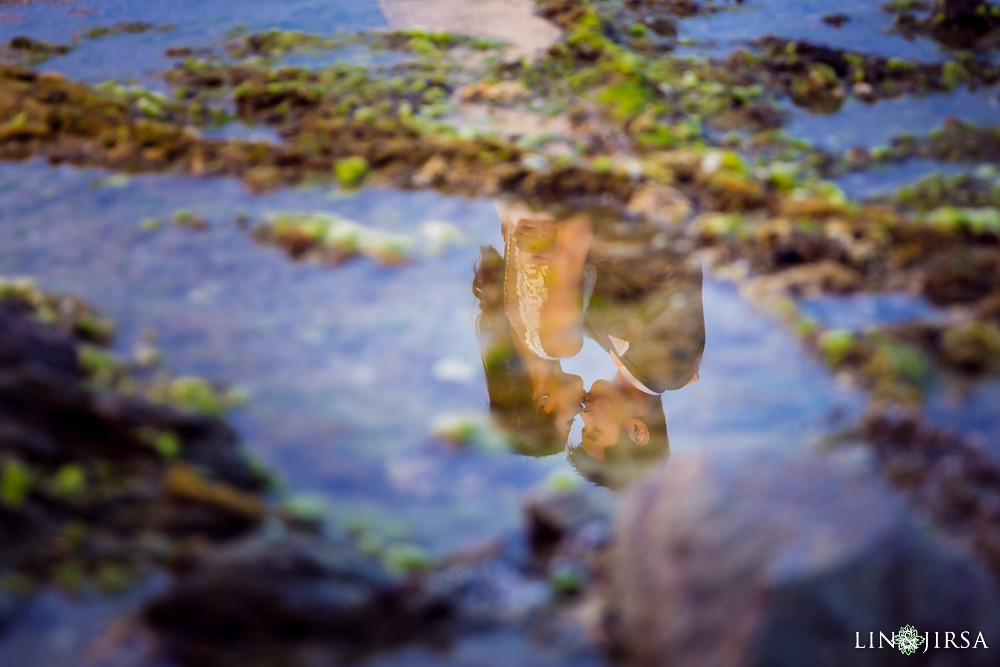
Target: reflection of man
x=648 y=316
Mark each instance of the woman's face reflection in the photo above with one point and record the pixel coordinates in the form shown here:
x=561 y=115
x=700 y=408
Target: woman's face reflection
x=560 y=396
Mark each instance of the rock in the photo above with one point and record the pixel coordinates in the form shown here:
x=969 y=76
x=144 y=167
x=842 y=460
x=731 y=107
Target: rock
x=662 y=205
x=662 y=25
x=780 y=562
x=864 y=91
x=504 y=92
x=278 y=588
x=278 y=594
x=27 y=341
x=136 y=483
x=266 y=598
x=48 y=414
x=836 y=20
x=10 y=606
x=554 y=515
x=271 y=593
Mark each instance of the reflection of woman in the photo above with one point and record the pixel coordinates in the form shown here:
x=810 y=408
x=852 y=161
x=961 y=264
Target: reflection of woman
x=531 y=315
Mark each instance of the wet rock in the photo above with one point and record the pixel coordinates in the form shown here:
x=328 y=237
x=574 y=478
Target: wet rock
x=662 y=25
x=750 y=562
x=10 y=607
x=661 y=205
x=282 y=588
x=951 y=478
x=35 y=51
x=955 y=23
x=49 y=415
x=98 y=485
x=555 y=515
x=815 y=75
x=280 y=594
x=963 y=275
x=836 y=20
x=283 y=594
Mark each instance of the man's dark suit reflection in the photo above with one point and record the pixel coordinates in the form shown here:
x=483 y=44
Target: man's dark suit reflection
x=646 y=313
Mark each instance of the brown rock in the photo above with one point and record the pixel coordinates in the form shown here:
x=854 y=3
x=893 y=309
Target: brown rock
x=778 y=562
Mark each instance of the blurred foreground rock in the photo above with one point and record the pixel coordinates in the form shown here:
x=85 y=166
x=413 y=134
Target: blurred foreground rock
x=776 y=562
x=98 y=486
x=268 y=590
x=294 y=598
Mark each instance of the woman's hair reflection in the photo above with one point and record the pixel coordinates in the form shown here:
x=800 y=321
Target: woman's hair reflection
x=531 y=315
x=533 y=428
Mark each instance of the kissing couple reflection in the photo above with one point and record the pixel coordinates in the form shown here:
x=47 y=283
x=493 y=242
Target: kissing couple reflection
x=559 y=280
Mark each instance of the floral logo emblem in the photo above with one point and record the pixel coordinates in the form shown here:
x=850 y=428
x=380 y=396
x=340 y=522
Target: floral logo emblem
x=908 y=640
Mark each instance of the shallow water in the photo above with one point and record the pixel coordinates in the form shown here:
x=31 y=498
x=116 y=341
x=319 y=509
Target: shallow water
x=866 y=30
x=349 y=367
x=856 y=312
x=860 y=124
x=881 y=181
x=185 y=23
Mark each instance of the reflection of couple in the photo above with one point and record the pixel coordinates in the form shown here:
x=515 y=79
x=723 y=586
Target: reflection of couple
x=548 y=291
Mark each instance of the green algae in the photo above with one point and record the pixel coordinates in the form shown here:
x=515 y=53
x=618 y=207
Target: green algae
x=332 y=239
x=68 y=484
x=304 y=509
x=408 y=559
x=195 y=394
x=16 y=482
x=123 y=28
x=68 y=314
x=275 y=43
x=28 y=52
x=350 y=171
x=566 y=580
x=820 y=77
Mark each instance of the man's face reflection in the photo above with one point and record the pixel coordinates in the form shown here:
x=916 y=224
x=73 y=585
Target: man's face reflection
x=615 y=413
x=602 y=418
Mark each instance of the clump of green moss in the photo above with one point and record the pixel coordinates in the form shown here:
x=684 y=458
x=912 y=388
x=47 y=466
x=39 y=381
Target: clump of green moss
x=953 y=219
x=418 y=41
x=123 y=28
x=186 y=218
x=566 y=580
x=955 y=201
x=882 y=362
x=305 y=510
x=350 y=171
x=972 y=346
x=819 y=77
x=408 y=559
x=194 y=393
x=16 y=481
x=29 y=51
x=69 y=314
x=332 y=238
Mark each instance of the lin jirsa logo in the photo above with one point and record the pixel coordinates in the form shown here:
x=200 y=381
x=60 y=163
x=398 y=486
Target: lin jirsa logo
x=909 y=641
